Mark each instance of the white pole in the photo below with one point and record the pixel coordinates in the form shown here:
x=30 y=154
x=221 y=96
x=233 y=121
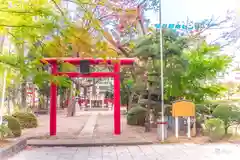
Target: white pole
x=189 y=127
x=3 y=96
x=176 y=127
x=161 y=59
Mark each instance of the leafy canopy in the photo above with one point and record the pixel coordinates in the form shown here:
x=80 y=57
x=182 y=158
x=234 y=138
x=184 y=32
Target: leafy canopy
x=190 y=67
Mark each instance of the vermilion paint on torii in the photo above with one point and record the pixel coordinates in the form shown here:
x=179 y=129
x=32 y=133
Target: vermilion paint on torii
x=76 y=61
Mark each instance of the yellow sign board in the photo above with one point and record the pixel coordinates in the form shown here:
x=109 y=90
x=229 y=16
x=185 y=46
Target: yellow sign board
x=183 y=109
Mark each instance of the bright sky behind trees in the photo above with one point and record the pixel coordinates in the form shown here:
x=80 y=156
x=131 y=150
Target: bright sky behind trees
x=179 y=10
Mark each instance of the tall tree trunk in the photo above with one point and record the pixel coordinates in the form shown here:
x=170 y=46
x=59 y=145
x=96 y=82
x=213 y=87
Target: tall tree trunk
x=8 y=102
x=78 y=88
x=94 y=92
x=13 y=97
x=71 y=104
x=40 y=102
x=128 y=91
x=130 y=99
x=47 y=101
x=62 y=95
x=69 y=113
x=22 y=55
x=85 y=94
x=61 y=101
x=66 y=97
x=226 y=130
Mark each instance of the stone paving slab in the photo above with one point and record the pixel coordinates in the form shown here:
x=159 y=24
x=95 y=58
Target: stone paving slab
x=138 y=152
x=89 y=126
x=66 y=126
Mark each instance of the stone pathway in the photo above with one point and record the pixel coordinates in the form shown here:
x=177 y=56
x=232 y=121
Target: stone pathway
x=89 y=126
x=67 y=127
x=142 y=152
x=94 y=127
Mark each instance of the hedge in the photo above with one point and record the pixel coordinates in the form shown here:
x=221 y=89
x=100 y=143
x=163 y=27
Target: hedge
x=13 y=125
x=26 y=119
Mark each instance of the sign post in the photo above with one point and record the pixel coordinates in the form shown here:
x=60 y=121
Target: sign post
x=183 y=109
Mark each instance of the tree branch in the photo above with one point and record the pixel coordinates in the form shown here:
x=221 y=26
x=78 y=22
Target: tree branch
x=20 y=12
x=25 y=26
x=57 y=6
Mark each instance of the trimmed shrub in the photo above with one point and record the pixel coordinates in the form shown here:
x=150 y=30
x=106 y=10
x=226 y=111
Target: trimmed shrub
x=136 y=116
x=27 y=120
x=13 y=125
x=214 y=128
x=4 y=131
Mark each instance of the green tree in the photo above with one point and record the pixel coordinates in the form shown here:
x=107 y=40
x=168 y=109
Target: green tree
x=41 y=28
x=215 y=128
x=190 y=67
x=228 y=114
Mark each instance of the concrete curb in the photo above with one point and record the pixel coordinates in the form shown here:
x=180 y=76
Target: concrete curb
x=76 y=143
x=13 y=149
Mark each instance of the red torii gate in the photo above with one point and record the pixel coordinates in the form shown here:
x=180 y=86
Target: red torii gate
x=76 y=61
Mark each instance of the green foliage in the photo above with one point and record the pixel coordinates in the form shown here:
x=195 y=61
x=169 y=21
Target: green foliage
x=190 y=67
x=203 y=64
x=4 y=131
x=136 y=116
x=17 y=109
x=206 y=108
x=13 y=125
x=228 y=114
x=148 y=45
x=27 y=120
x=41 y=29
x=214 y=128
x=32 y=68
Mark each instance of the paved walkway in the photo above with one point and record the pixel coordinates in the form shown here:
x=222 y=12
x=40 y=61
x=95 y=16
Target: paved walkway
x=144 y=152
x=89 y=126
x=94 y=127
x=67 y=127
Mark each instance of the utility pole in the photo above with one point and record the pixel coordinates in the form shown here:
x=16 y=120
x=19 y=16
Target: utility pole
x=162 y=80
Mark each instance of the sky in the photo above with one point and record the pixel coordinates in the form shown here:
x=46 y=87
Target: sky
x=174 y=11
x=196 y=10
